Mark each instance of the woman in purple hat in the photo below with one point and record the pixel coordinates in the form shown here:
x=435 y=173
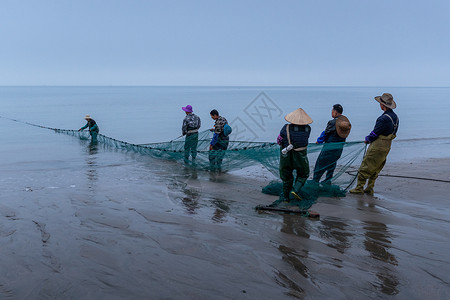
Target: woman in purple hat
x=191 y=124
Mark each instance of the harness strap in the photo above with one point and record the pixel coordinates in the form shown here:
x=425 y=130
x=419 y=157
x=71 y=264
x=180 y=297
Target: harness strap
x=392 y=120
x=289 y=140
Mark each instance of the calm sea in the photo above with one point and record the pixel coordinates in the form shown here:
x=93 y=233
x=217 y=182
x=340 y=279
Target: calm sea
x=153 y=114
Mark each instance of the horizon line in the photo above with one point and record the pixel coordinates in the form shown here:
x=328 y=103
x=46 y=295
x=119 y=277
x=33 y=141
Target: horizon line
x=243 y=86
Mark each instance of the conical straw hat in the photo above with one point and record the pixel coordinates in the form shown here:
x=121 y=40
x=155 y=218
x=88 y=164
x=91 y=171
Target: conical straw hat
x=298 y=117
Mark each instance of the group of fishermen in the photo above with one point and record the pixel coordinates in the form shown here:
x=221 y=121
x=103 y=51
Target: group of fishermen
x=191 y=125
x=219 y=142
x=293 y=139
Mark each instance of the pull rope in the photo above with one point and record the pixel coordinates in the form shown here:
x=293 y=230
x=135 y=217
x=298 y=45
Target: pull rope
x=406 y=177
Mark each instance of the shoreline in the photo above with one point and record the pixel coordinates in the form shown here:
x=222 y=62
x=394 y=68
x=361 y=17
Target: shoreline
x=133 y=231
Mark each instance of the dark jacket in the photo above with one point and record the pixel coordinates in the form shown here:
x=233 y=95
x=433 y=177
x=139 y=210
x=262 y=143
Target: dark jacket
x=386 y=124
x=299 y=135
x=330 y=135
x=92 y=125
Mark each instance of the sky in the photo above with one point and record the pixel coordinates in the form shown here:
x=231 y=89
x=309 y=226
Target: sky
x=225 y=42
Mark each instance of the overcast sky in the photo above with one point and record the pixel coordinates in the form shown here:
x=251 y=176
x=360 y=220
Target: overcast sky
x=225 y=42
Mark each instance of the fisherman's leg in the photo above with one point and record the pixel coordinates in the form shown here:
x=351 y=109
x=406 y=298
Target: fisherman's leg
x=212 y=160
x=223 y=145
x=369 y=165
x=330 y=172
x=93 y=136
x=194 y=146
x=187 y=147
x=334 y=157
x=286 y=176
x=301 y=163
x=371 y=182
x=319 y=168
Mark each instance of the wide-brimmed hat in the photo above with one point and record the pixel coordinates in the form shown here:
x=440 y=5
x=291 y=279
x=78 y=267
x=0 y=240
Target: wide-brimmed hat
x=343 y=126
x=387 y=100
x=87 y=117
x=298 y=117
x=187 y=108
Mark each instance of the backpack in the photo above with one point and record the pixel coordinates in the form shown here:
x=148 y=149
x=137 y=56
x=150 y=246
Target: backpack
x=227 y=130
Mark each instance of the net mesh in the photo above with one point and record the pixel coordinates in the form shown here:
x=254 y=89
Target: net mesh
x=243 y=154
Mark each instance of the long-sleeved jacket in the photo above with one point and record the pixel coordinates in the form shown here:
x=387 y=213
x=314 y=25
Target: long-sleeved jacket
x=92 y=126
x=218 y=131
x=329 y=135
x=386 y=124
x=191 y=122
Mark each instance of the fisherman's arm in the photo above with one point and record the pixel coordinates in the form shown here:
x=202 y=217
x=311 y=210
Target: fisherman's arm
x=184 y=127
x=84 y=127
x=214 y=139
x=380 y=125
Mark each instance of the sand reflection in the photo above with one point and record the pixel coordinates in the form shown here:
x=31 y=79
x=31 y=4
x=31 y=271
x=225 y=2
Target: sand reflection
x=378 y=243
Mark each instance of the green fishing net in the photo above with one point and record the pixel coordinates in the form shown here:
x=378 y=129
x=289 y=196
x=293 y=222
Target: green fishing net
x=243 y=154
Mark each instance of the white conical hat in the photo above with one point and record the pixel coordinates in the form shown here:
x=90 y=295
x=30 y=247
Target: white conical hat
x=298 y=117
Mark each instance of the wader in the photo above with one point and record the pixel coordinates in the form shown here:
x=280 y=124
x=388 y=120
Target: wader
x=190 y=146
x=373 y=163
x=327 y=161
x=293 y=160
x=217 y=154
x=94 y=136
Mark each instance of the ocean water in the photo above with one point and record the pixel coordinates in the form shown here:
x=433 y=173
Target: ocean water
x=83 y=221
x=153 y=114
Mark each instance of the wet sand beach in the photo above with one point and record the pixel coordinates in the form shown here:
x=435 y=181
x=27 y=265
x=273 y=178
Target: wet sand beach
x=142 y=228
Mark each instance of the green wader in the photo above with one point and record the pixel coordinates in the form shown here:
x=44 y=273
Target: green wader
x=190 y=146
x=93 y=136
x=293 y=160
x=373 y=163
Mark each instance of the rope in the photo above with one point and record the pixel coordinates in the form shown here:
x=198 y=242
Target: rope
x=406 y=177
x=356 y=175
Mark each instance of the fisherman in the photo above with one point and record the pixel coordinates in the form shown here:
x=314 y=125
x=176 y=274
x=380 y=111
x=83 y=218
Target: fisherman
x=93 y=128
x=333 y=136
x=293 y=139
x=219 y=142
x=191 y=125
x=380 y=140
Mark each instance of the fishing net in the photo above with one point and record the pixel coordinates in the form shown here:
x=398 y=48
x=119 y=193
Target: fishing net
x=242 y=154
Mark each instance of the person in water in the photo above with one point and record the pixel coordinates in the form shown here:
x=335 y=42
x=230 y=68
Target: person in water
x=93 y=128
x=191 y=125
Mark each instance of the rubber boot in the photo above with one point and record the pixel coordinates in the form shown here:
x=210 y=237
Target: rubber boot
x=359 y=189
x=370 y=184
x=296 y=190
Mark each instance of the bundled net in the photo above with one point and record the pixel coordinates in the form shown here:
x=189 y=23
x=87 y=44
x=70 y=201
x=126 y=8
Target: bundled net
x=242 y=154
